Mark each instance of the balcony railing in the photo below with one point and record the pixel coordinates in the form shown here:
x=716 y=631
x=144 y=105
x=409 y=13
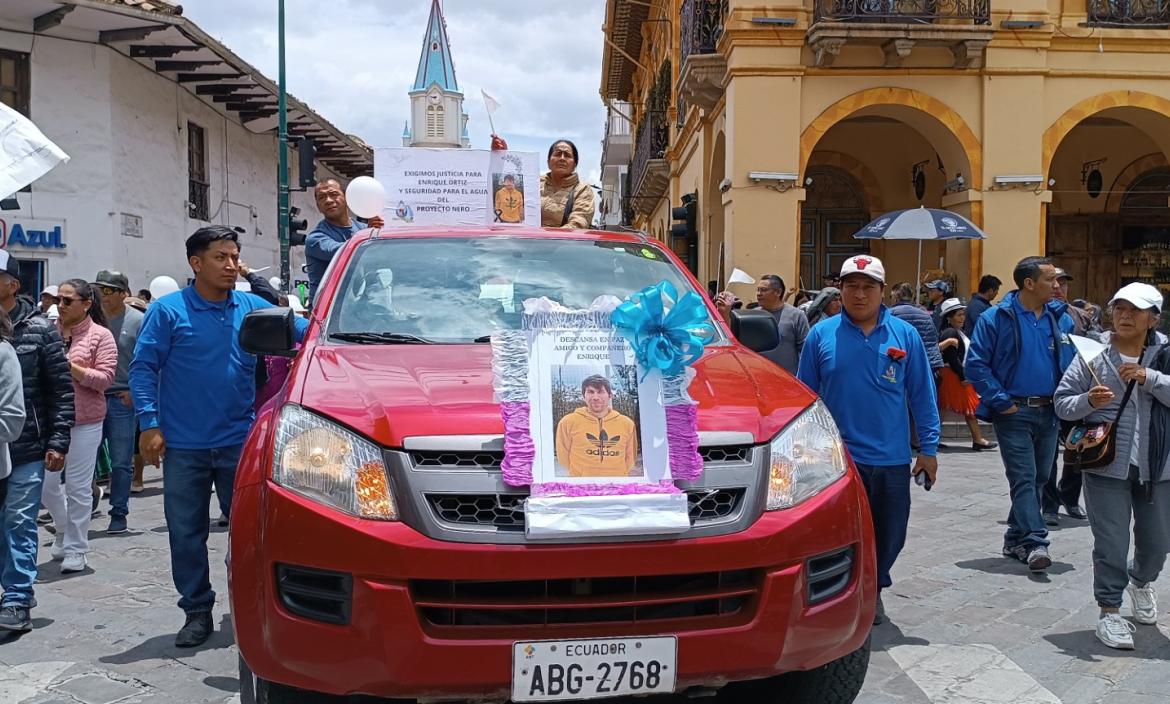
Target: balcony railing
x=701 y=68
x=701 y=26
x=650 y=145
x=903 y=11
x=1129 y=13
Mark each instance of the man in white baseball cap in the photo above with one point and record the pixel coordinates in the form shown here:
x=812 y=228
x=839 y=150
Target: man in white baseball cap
x=867 y=365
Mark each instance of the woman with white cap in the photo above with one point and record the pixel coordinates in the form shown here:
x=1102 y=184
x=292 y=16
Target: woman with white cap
x=955 y=393
x=1126 y=385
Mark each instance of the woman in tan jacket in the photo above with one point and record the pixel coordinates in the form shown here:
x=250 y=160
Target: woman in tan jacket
x=565 y=201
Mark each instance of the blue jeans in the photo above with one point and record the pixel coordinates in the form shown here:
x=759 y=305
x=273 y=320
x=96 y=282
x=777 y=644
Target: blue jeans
x=888 y=489
x=188 y=476
x=118 y=432
x=18 y=542
x=1027 y=444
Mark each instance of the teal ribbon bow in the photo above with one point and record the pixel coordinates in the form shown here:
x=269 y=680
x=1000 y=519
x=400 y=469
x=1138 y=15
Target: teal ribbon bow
x=667 y=332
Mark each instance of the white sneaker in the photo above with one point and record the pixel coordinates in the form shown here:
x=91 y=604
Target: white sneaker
x=75 y=562
x=57 y=552
x=1115 y=632
x=1144 y=601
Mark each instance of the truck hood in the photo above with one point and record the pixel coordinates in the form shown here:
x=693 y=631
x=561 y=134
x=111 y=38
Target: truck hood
x=393 y=392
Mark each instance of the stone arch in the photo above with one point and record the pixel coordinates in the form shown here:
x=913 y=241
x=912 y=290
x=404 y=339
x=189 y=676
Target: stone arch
x=1129 y=175
x=1149 y=113
x=855 y=168
x=936 y=121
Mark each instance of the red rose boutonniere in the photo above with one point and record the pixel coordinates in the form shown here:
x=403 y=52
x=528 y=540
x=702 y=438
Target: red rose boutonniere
x=896 y=354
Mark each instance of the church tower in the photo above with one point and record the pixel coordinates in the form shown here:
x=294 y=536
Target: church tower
x=436 y=103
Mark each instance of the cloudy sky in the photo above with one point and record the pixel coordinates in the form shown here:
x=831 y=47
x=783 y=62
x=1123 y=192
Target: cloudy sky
x=354 y=60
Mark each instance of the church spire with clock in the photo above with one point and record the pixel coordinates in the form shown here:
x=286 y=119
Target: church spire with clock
x=436 y=103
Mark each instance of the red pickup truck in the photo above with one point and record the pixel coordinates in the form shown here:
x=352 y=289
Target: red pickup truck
x=375 y=549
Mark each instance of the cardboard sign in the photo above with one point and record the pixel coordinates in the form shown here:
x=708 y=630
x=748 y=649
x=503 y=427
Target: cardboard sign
x=458 y=186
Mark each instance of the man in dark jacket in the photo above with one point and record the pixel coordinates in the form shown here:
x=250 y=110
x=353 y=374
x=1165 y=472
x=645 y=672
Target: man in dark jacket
x=988 y=291
x=904 y=308
x=48 y=401
x=1018 y=354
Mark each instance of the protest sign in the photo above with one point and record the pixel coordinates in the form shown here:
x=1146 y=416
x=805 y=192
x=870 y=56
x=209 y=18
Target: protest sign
x=458 y=186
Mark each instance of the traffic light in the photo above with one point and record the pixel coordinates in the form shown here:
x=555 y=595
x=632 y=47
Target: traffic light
x=306 y=163
x=684 y=234
x=296 y=228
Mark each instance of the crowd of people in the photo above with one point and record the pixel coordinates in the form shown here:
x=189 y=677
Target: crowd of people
x=92 y=365
x=1013 y=364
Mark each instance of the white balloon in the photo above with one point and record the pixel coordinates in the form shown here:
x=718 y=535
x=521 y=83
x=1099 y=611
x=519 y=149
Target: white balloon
x=366 y=197
x=162 y=285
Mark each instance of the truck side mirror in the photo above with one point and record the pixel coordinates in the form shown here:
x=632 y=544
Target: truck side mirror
x=755 y=329
x=269 y=331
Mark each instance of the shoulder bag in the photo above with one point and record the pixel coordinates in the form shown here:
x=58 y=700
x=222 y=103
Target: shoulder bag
x=1094 y=445
x=569 y=207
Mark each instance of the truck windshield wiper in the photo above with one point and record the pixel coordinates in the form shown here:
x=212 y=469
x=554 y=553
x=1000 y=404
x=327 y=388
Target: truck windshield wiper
x=482 y=339
x=381 y=338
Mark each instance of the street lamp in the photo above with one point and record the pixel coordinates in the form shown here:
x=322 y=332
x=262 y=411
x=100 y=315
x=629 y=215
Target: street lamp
x=282 y=194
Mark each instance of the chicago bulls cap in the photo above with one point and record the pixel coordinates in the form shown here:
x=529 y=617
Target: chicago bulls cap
x=864 y=264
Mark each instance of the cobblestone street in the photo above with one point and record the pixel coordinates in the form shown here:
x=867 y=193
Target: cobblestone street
x=966 y=625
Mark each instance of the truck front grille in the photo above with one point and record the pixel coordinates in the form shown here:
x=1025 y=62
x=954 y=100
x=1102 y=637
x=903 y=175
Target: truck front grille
x=492 y=459
x=505 y=512
x=580 y=601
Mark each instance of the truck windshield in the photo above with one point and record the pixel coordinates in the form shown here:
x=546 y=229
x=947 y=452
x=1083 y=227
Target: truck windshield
x=460 y=290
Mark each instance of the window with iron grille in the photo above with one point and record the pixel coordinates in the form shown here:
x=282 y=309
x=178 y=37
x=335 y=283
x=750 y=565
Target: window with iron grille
x=14 y=81
x=198 y=186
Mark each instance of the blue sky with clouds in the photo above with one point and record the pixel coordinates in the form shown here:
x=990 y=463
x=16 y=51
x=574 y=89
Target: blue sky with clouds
x=354 y=60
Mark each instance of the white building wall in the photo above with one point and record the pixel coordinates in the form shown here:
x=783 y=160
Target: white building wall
x=125 y=130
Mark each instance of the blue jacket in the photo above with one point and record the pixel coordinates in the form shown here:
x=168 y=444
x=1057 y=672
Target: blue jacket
x=995 y=351
x=867 y=390
x=322 y=244
x=923 y=322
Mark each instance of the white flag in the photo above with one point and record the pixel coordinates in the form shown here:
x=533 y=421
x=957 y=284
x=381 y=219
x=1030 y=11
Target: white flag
x=489 y=103
x=739 y=276
x=1088 y=348
x=25 y=153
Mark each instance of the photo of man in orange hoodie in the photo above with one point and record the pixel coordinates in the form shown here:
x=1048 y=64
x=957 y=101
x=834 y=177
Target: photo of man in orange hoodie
x=596 y=440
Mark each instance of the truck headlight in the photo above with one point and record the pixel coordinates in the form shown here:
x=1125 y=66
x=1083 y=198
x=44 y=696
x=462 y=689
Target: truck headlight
x=807 y=457
x=330 y=465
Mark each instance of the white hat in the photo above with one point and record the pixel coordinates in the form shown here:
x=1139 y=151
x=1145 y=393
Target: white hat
x=951 y=305
x=52 y=291
x=1144 y=296
x=864 y=264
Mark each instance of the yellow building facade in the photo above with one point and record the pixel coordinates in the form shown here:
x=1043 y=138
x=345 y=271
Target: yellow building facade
x=794 y=123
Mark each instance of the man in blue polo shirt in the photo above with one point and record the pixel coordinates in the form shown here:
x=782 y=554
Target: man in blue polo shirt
x=1017 y=356
x=867 y=365
x=193 y=388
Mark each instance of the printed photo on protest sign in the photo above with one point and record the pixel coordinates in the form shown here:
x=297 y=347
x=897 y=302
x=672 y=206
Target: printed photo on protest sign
x=458 y=186
x=594 y=420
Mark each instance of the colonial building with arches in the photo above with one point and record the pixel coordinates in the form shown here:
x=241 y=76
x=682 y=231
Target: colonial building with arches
x=792 y=123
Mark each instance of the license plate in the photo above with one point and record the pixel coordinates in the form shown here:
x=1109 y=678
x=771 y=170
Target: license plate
x=565 y=670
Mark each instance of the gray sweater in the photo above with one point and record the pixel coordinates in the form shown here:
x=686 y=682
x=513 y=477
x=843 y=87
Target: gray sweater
x=11 y=404
x=1072 y=403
